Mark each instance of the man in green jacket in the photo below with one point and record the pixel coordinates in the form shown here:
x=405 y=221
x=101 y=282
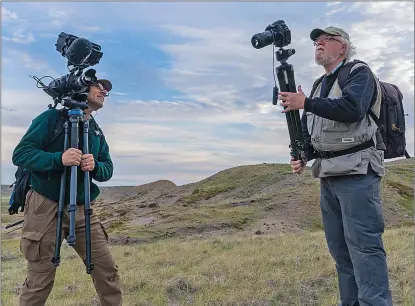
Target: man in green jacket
x=46 y=161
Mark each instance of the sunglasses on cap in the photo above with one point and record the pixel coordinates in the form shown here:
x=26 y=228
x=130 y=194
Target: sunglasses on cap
x=102 y=89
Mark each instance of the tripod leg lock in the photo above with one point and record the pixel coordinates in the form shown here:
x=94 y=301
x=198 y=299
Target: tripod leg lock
x=56 y=261
x=88 y=211
x=89 y=268
x=275 y=96
x=72 y=207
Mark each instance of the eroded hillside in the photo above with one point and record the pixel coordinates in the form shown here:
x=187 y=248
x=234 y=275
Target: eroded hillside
x=258 y=198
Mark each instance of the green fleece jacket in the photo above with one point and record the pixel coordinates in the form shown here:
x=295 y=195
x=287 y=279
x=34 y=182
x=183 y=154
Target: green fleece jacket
x=36 y=153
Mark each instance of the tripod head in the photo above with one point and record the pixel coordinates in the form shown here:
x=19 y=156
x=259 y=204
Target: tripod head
x=282 y=54
x=71 y=90
x=76 y=100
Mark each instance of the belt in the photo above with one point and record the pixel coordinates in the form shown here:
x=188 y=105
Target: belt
x=331 y=154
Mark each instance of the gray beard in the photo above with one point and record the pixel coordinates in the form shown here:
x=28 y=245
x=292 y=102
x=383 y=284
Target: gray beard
x=326 y=60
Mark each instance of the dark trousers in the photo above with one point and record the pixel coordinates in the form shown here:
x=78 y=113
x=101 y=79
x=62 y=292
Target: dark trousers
x=353 y=223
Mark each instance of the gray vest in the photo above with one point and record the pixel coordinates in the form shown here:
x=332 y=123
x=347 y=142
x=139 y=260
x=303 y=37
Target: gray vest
x=329 y=135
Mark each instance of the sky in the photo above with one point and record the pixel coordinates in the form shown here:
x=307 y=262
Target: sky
x=191 y=96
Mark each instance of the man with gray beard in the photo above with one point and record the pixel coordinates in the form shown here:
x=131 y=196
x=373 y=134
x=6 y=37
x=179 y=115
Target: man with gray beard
x=341 y=138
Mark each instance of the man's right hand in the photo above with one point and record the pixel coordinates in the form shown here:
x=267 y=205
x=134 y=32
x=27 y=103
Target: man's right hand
x=72 y=157
x=296 y=166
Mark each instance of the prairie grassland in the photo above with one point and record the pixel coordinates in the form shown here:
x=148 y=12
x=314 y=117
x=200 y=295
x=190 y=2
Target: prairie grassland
x=241 y=269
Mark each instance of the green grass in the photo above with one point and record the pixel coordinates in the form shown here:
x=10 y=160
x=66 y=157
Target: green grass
x=7 y=219
x=235 y=270
x=179 y=220
x=400 y=179
x=207 y=192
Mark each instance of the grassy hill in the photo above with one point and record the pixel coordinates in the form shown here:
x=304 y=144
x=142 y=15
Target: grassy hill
x=248 y=235
x=260 y=199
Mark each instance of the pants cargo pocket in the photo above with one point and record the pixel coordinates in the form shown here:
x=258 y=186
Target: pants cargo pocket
x=30 y=245
x=105 y=232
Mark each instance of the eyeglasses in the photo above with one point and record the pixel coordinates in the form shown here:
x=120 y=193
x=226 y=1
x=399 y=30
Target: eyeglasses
x=325 y=39
x=102 y=89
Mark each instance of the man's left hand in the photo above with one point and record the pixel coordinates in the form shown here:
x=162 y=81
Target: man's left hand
x=87 y=162
x=292 y=100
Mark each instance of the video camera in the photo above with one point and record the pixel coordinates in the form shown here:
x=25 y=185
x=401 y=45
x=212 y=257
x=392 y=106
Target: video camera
x=71 y=89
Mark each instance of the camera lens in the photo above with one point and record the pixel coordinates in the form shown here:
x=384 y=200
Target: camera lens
x=262 y=40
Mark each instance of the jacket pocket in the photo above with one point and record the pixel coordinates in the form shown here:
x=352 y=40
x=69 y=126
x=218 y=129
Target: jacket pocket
x=334 y=126
x=344 y=165
x=30 y=245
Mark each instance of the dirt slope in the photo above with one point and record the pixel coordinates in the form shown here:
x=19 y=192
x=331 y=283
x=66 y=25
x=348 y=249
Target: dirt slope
x=258 y=198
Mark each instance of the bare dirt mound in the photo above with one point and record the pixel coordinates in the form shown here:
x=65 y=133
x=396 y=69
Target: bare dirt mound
x=110 y=195
x=259 y=199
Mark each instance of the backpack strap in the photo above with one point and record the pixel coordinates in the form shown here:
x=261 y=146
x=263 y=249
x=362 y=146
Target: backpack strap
x=98 y=130
x=59 y=125
x=345 y=71
x=315 y=85
x=343 y=76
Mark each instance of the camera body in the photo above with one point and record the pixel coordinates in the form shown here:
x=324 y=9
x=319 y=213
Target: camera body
x=74 y=85
x=277 y=33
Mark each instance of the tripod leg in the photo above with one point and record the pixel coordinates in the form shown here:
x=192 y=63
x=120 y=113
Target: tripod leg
x=56 y=258
x=74 y=117
x=285 y=75
x=87 y=207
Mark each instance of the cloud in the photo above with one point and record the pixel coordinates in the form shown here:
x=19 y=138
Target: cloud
x=7 y=15
x=57 y=17
x=90 y=28
x=20 y=37
x=193 y=97
x=15 y=57
x=118 y=93
x=232 y=75
x=152 y=140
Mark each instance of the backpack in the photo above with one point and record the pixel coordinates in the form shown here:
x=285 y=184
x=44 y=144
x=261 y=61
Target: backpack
x=391 y=121
x=22 y=183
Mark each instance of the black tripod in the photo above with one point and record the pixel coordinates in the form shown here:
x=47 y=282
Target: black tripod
x=285 y=75
x=75 y=107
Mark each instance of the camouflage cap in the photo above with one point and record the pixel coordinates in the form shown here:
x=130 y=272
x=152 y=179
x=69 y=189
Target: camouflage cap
x=333 y=31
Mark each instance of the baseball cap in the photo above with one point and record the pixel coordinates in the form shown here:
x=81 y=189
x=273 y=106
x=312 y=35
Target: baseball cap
x=333 y=31
x=106 y=84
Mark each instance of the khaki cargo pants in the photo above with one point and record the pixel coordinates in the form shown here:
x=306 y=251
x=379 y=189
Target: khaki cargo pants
x=38 y=245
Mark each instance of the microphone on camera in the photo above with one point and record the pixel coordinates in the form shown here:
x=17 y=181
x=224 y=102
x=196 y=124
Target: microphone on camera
x=79 y=51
